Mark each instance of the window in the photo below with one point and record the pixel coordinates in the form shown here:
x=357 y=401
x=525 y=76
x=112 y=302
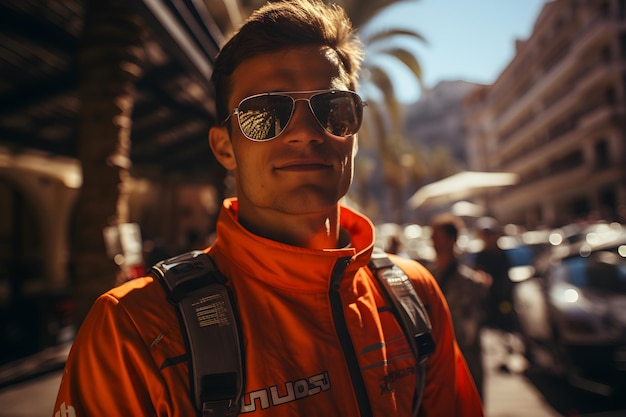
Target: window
x=570 y=161
x=601 y=157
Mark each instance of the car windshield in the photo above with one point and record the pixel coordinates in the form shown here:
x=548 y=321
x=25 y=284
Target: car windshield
x=602 y=270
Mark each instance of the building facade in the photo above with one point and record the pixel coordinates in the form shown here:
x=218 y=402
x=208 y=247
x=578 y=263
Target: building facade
x=557 y=117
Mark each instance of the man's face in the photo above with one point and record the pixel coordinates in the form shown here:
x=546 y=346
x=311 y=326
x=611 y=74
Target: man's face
x=442 y=242
x=304 y=170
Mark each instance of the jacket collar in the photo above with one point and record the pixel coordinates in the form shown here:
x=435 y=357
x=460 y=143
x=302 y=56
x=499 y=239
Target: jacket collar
x=282 y=265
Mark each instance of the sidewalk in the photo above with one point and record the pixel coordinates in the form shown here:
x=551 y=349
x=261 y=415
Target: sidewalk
x=48 y=360
x=510 y=394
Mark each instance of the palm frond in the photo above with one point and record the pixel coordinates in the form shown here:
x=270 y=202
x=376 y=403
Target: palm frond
x=410 y=61
x=392 y=33
x=363 y=11
x=392 y=108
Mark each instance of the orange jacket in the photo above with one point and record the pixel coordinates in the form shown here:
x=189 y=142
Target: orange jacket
x=128 y=356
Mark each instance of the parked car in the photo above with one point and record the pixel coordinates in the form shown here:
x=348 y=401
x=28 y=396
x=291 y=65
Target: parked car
x=572 y=311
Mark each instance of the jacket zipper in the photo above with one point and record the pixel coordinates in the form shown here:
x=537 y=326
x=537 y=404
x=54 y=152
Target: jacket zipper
x=343 y=334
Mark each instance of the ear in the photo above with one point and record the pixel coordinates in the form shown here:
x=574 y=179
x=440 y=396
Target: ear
x=222 y=147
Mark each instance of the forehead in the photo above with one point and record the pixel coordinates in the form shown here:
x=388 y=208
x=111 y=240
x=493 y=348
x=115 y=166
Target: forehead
x=293 y=69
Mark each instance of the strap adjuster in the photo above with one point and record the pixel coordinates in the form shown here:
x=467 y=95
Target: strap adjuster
x=218 y=408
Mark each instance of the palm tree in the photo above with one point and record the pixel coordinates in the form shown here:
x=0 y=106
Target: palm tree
x=388 y=50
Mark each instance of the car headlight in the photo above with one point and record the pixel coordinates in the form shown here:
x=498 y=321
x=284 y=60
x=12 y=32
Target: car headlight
x=569 y=297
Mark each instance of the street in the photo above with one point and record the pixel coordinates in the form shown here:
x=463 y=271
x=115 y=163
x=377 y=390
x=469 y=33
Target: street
x=520 y=392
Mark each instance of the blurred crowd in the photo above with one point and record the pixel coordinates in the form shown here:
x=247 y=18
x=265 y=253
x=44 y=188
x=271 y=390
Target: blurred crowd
x=480 y=266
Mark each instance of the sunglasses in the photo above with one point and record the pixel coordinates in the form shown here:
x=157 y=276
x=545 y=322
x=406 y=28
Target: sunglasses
x=263 y=117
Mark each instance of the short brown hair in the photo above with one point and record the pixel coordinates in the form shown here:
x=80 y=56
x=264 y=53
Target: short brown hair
x=449 y=223
x=287 y=24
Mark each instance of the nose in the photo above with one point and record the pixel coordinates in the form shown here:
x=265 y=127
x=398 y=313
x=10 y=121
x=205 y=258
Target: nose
x=303 y=126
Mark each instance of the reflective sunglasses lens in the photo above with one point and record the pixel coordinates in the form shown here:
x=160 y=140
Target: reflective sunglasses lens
x=264 y=117
x=339 y=112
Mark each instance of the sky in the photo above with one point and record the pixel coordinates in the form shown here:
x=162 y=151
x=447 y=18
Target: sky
x=471 y=40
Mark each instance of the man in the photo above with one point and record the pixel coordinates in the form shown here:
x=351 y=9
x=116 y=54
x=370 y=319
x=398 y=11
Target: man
x=493 y=262
x=318 y=336
x=465 y=291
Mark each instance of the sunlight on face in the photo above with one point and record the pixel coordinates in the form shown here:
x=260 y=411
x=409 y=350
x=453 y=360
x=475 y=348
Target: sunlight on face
x=304 y=169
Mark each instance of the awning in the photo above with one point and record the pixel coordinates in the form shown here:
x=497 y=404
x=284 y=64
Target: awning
x=460 y=186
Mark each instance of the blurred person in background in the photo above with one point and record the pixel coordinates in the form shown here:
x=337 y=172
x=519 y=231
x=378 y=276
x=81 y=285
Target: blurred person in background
x=464 y=290
x=493 y=264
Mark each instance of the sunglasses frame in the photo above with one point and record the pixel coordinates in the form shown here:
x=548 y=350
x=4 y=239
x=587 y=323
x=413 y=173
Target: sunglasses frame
x=311 y=93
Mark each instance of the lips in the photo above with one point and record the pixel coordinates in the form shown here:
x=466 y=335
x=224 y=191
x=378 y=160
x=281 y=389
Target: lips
x=303 y=165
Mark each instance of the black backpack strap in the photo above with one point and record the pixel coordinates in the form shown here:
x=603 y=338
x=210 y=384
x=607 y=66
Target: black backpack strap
x=210 y=329
x=410 y=313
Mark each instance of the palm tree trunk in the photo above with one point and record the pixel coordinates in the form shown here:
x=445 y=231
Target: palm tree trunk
x=109 y=62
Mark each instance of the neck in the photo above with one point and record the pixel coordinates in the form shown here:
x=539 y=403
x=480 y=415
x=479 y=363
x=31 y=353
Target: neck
x=443 y=260
x=311 y=231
